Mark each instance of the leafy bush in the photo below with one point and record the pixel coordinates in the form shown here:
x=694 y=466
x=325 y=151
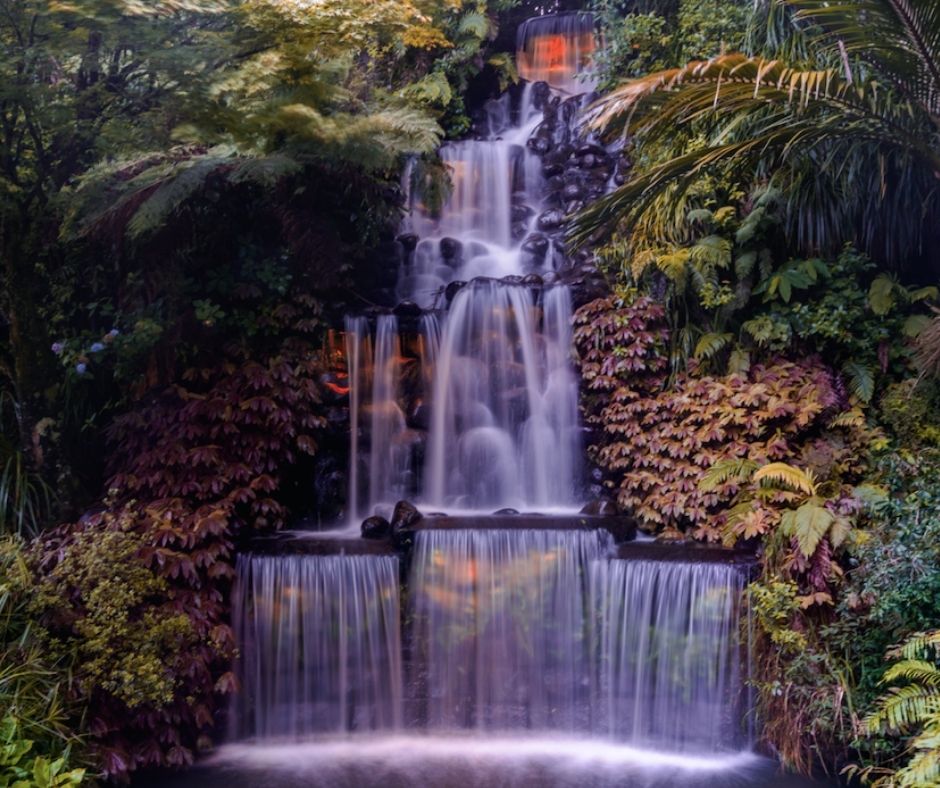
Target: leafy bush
x=195 y=467
x=36 y=746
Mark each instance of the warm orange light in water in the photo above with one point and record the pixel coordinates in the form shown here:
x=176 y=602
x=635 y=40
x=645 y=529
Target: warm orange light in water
x=555 y=58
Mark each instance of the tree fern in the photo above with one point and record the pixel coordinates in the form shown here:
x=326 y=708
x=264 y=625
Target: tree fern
x=912 y=709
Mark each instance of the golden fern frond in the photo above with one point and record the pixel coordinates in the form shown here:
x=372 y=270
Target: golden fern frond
x=849 y=418
x=711 y=344
x=724 y=471
x=787 y=475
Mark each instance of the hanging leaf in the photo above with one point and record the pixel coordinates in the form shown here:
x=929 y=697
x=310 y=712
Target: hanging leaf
x=739 y=362
x=861 y=380
x=881 y=295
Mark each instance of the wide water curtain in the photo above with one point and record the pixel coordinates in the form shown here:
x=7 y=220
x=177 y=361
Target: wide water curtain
x=669 y=666
x=500 y=629
x=320 y=645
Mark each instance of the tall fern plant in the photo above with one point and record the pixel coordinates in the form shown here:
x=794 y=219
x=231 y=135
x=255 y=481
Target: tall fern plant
x=26 y=500
x=911 y=708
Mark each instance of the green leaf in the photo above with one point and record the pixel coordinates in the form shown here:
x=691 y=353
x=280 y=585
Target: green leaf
x=881 y=295
x=744 y=264
x=914 y=325
x=861 y=380
x=811 y=522
x=711 y=344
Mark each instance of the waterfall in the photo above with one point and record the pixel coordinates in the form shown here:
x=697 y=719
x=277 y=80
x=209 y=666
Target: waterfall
x=504 y=429
x=320 y=646
x=359 y=364
x=669 y=664
x=557 y=49
x=387 y=457
x=500 y=627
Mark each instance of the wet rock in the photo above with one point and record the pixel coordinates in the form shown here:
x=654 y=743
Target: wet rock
x=521 y=213
x=532 y=280
x=407 y=309
x=571 y=191
x=600 y=507
x=540 y=145
x=554 y=185
x=549 y=278
x=541 y=92
x=452 y=289
x=536 y=244
x=551 y=220
x=591 y=150
x=419 y=417
x=376 y=527
x=512 y=279
x=450 y=248
x=551 y=170
x=573 y=207
x=404 y=516
x=507 y=510
x=408 y=241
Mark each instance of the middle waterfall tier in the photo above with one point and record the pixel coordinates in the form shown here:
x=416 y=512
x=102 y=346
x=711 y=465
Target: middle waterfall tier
x=477 y=412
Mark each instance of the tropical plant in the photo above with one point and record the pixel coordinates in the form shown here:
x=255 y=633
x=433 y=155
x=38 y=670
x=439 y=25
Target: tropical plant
x=911 y=708
x=847 y=131
x=36 y=744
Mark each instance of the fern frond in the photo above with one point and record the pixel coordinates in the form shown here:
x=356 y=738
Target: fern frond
x=724 y=471
x=711 y=344
x=861 y=380
x=915 y=670
x=787 y=475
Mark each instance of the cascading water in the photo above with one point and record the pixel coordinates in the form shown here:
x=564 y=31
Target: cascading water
x=669 y=669
x=530 y=630
x=320 y=645
x=557 y=49
x=500 y=627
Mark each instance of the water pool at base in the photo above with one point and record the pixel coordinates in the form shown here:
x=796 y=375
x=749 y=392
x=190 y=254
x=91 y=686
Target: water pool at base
x=462 y=761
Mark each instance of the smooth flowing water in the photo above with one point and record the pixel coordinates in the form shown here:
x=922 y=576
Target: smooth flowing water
x=670 y=672
x=528 y=656
x=319 y=643
x=500 y=633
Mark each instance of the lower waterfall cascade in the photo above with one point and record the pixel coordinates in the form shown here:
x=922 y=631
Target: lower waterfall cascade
x=474 y=649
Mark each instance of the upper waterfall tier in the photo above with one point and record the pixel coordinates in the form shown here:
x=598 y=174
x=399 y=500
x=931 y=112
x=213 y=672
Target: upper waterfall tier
x=557 y=49
x=495 y=196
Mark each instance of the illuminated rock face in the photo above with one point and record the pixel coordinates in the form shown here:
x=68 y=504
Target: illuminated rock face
x=557 y=49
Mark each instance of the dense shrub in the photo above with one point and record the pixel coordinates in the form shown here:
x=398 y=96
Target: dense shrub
x=35 y=741
x=194 y=467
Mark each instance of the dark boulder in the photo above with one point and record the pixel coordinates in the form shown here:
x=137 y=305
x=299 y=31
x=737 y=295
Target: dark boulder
x=452 y=289
x=376 y=527
x=407 y=309
x=532 y=280
x=507 y=510
x=408 y=241
x=450 y=248
x=601 y=507
x=404 y=516
x=536 y=244
x=551 y=220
